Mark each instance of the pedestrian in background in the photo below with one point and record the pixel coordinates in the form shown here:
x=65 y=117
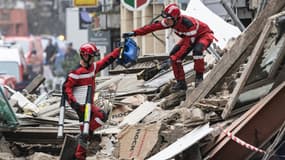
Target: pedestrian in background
x=50 y=51
x=71 y=58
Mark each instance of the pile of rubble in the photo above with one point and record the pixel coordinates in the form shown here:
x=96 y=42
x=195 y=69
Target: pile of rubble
x=235 y=112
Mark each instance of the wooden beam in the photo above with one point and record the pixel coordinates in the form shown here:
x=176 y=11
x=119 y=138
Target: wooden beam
x=266 y=118
x=36 y=82
x=274 y=69
x=241 y=44
x=249 y=67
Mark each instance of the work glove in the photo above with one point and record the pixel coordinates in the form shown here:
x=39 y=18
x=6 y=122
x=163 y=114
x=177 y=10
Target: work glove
x=165 y=64
x=128 y=34
x=105 y=115
x=76 y=106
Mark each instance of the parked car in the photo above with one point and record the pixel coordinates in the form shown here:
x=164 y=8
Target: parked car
x=33 y=51
x=12 y=62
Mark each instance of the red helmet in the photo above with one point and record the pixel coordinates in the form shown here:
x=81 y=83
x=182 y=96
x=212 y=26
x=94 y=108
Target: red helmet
x=171 y=10
x=88 y=50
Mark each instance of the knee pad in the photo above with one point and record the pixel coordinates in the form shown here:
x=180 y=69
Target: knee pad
x=174 y=50
x=198 y=49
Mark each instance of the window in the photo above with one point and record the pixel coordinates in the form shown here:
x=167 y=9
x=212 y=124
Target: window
x=11 y=68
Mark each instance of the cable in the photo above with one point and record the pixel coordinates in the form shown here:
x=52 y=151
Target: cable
x=153 y=34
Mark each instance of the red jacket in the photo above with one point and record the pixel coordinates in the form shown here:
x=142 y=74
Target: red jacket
x=82 y=76
x=186 y=26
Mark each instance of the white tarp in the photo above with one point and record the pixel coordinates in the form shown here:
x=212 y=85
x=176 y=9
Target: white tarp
x=223 y=31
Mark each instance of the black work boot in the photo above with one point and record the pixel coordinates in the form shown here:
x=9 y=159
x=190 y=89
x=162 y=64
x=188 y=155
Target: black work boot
x=198 y=78
x=180 y=85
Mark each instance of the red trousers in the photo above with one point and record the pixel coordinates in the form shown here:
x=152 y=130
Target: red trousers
x=81 y=150
x=180 y=51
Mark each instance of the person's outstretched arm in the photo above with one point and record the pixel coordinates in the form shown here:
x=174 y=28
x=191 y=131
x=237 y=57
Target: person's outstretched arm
x=107 y=60
x=147 y=29
x=150 y=28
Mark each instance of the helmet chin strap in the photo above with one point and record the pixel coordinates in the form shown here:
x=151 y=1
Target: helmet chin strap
x=174 y=21
x=86 y=61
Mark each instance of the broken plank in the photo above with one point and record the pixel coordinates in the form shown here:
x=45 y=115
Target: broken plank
x=36 y=82
x=240 y=45
x=249 y=67
x=137 y=91
x=138 y=114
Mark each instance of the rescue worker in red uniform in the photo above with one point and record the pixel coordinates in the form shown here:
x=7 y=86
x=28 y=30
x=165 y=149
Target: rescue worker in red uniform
x=81 y=77
x=195 y=35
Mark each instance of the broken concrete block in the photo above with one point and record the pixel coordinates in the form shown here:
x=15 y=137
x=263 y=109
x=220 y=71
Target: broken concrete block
x=164 y=91
x=171 y=133
x=4 y=146
x=107 y=146
x=6 y=155
x=172 y=100
x=197 y=115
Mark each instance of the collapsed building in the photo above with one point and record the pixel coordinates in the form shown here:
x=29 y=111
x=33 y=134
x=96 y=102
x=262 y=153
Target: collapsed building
x=235 y=112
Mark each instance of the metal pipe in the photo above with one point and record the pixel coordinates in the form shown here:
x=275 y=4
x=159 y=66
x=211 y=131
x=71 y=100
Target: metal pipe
x=233 y=15
x=87 y=112
x=61 y=118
